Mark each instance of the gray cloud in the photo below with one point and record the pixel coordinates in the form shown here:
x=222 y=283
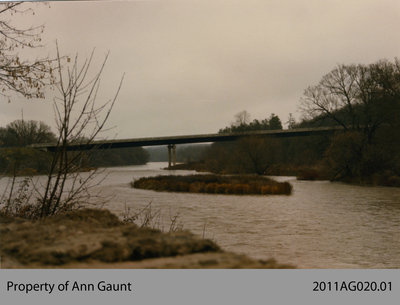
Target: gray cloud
x=192 y=65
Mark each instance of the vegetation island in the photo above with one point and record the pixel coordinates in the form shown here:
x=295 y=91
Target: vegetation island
x=215 y=184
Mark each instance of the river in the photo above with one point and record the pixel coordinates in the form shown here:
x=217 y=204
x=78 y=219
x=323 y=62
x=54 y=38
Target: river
x=321 y=225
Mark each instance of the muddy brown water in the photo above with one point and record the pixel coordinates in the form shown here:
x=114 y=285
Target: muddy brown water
x=321 y=225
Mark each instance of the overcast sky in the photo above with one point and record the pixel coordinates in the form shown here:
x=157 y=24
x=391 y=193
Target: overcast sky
x=192 y=65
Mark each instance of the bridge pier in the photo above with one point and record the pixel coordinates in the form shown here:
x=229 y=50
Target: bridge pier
x=171 y=157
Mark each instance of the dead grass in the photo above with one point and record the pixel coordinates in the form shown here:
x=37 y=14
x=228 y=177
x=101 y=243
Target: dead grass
x=215 y=184
x=91 y=234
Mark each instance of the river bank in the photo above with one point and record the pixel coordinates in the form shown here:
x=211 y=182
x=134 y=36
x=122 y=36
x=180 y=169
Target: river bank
x=310 y=173
x=94 y=238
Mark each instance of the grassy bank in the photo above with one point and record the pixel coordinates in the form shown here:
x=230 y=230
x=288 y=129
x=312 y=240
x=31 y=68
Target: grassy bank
x=93 y=238
x=87 y=234
x=215 y=184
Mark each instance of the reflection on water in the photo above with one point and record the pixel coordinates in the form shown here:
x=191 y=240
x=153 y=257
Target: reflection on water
x=321 y=225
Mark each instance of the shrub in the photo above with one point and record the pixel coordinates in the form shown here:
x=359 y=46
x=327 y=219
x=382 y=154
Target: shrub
x=197 y=187
x=210 y=187
x=308 y=174
x=222 y=188
x=266 y=189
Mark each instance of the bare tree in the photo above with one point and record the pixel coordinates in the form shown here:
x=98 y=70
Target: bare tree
x=365 y=100
x=356 y=97
x=78 y=116
x=242 y=118
x=336 y=90
x=257 y=155
x=291 y=122
x=26 y=77
x=80 y=119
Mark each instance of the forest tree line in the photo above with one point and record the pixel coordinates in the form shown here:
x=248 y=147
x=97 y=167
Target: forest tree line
x=16 y=157
x=363 y=99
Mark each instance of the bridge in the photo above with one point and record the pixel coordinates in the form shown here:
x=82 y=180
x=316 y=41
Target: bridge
x=171 y=141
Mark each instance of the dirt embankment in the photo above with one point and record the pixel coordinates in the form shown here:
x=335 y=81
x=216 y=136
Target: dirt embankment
x=98 y=239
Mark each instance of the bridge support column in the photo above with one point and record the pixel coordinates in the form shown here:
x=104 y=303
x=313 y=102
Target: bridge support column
x=171 y=157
